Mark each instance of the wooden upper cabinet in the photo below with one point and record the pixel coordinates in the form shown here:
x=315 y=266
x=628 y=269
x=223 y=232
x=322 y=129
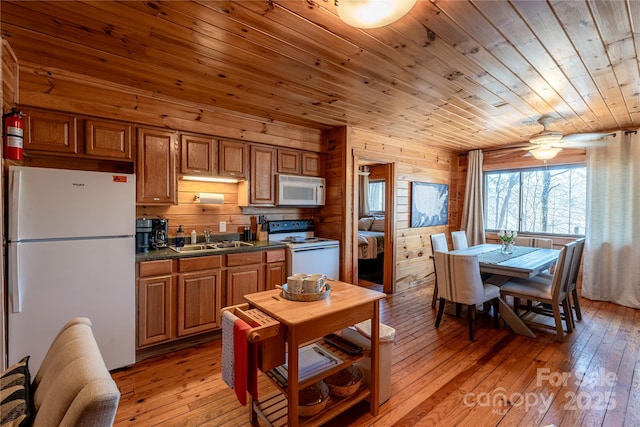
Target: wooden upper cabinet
x=108 y=139
x=233 y=159
x=311 y=164
x=156 y=163
x=262 y=180
x=51 y=132
x=289 y=162
x=198 y=155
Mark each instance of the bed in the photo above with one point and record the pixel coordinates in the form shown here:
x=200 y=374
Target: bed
x=370 y=237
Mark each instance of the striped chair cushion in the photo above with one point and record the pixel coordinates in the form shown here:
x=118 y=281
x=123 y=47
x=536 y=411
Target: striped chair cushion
x=15 y=395
x=459 y=279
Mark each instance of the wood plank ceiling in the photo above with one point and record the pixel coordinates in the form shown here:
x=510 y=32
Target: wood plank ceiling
x=452 y=74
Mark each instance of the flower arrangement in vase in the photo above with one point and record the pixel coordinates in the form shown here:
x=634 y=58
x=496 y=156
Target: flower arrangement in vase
x=507 y=238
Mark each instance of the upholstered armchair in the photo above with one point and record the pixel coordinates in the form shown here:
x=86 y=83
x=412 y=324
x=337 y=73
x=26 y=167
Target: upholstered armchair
x=72 y=388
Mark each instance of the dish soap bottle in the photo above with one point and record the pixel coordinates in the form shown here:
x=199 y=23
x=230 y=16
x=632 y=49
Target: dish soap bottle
x=194 y=237
x=180 y=237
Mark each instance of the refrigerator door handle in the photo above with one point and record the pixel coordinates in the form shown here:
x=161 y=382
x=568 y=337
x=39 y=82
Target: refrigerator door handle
x=14 y=282
x=14 y=220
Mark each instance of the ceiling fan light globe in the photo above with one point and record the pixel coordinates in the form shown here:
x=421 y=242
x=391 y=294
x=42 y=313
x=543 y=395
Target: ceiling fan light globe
x=546 y=138
x=545 y=152
x=372 y=13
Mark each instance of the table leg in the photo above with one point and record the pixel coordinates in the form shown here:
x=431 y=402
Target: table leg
x=374 y=382
x=293 y=386
x=514 y=321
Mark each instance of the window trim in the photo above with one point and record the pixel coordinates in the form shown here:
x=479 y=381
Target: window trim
x=521 y=195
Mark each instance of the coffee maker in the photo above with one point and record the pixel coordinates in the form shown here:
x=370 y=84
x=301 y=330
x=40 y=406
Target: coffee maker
x=143 y=232
x=159 y=233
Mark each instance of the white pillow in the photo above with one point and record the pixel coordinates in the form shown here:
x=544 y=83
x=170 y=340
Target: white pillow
x=364 y=223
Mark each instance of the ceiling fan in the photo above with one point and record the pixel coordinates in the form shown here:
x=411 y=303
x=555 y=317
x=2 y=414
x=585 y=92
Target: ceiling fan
x=547 y=143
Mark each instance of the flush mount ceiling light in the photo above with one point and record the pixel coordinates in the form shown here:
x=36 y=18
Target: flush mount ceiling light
x=544 y=152
x=372 y=13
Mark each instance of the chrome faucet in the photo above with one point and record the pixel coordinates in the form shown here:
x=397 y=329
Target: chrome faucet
x=207 y=236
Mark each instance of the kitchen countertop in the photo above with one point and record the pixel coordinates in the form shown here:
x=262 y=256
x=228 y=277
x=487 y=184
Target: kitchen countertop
x=158 y=254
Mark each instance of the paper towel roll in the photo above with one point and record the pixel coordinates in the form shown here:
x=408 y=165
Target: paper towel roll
x=210 y=198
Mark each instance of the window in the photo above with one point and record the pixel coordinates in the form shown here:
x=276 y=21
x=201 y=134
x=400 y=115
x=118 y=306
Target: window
x=376 y=196
x=547 y=200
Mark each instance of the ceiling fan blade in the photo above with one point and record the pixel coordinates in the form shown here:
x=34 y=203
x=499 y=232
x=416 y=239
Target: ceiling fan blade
x=584 y=144
x=580 y=137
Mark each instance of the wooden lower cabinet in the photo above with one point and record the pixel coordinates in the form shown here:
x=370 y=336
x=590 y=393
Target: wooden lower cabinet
x=154 y=310
x=154 y=303
x=244 y=275
x=183 y=297
x=198 y=294
x=198 y=302
x=275 y=269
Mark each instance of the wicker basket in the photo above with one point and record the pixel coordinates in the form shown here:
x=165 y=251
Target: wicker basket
x=346 y=382
x=313 y=399
x=305 y=297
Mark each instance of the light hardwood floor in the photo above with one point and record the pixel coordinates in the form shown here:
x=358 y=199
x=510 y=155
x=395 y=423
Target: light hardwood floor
x=439 y=377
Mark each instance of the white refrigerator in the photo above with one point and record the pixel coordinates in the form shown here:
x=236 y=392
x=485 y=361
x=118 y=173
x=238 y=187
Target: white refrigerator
x=71 y=252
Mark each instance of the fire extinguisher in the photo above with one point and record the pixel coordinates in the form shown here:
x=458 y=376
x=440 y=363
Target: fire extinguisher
x=13 y=134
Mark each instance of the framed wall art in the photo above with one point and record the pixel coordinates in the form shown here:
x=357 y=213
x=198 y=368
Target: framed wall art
x=429 y=204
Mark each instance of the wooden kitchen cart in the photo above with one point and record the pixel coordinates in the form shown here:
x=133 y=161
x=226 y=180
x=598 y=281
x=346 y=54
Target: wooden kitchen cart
x=307 y=322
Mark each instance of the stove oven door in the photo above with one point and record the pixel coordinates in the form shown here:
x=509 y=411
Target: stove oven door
x=321 y=260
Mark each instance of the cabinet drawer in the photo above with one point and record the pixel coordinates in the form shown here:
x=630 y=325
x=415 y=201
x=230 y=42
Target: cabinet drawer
x=244 y=258
x=154 y=268
x=199 y=263
x=276 y=255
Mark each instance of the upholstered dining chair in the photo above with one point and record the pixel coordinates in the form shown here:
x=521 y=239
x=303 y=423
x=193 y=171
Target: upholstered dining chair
x=546 y=292
x=574 y=272
x=460 y=282
x=438 y=244
x=459 y=240
x=534 y=242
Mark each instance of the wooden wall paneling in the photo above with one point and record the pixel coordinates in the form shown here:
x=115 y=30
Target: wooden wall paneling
x=7 y=62
x=412 y=246
x=154 y=76
x=89 y=96
x=194 y=216
x=9 y=75
x=498 y=160
x=337 y=214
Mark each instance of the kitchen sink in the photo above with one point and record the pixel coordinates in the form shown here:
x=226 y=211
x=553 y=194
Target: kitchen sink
x=209 y=247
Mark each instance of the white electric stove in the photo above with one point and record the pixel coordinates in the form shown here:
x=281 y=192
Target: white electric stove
x=306 y=253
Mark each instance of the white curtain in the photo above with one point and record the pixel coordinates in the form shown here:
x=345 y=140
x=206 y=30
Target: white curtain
x=473 y=209
x=363 y=203
x=612 y=251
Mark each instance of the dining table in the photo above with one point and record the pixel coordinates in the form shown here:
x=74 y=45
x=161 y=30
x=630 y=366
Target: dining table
x=523 y=261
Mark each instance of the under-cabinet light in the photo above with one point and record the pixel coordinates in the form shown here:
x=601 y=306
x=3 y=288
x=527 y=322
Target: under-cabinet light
x=209 y=179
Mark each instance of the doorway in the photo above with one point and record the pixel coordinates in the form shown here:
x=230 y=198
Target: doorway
x=373 y=206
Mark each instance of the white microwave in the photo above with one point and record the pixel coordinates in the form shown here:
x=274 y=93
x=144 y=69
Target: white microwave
x=293 y=190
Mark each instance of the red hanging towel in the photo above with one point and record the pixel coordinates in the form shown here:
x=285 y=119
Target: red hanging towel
x=245 y=366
